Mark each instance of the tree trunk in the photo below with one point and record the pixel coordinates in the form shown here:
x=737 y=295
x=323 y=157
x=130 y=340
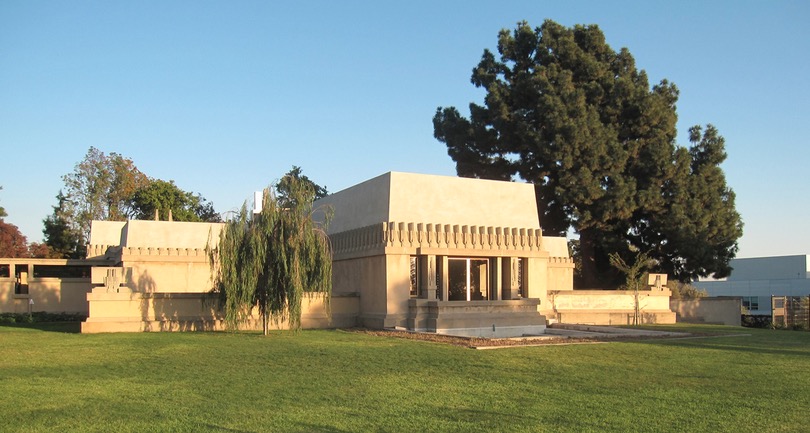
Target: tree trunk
x=587 y=252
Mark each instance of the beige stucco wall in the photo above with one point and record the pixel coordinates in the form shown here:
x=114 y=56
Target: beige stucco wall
x=159 y=256
x=396 y=196
x=364 y=277
x=51 y=295
x=154 y=234
x=607 y=307
x=150 y=312
x=107 y=232
x=726 y=310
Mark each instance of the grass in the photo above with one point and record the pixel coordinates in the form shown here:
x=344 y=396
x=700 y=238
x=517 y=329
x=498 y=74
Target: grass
x=337 y=381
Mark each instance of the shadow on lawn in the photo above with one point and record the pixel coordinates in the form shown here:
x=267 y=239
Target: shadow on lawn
x=749 y=349
x=305 y=427
x=63 y=327
x=745 y=344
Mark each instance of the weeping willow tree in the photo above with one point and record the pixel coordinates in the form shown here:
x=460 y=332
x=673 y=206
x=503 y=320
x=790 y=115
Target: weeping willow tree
x=273 y=259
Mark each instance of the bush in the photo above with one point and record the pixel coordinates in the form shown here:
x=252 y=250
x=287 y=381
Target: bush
x=685 y=291
x=41 y=317
x=754 y=321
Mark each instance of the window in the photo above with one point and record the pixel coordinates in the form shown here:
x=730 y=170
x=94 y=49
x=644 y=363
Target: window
x=750 y=302
x=61 y=271
x=521 y=279
x=468 y=279
x=5 y=271
x=21 y=274
x=414 y=277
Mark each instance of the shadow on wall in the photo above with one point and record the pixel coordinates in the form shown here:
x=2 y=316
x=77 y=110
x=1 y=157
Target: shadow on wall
x=145 y=284
x=161 y=311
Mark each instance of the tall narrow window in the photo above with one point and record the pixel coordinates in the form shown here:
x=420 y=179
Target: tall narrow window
x=521 y=278
x=414 y=277
x=21 y=274
x=439 y=272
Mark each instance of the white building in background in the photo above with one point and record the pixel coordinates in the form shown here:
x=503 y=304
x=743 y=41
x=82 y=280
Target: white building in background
x=757 y=279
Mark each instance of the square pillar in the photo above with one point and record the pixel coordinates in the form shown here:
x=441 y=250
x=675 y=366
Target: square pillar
x=427 y=276
x=511 y=278
x=443 y=283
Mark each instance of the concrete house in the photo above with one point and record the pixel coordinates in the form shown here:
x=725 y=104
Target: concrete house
x=445 y=254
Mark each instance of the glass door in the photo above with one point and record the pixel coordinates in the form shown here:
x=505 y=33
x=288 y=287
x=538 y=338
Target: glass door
x=468 y=279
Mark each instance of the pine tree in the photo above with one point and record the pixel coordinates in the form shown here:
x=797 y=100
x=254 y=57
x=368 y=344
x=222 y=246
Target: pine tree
x=569 y=114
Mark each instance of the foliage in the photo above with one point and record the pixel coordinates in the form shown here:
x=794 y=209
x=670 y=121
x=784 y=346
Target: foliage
x=634 y=274
x=41 y=317
x=272 y=259
x=166 y=196
x=634 y=271
x=685 y=290
x=100 y=188
x=111 y=188
x=2 y=210
x=12 y=242
x=577 y=119
x=335 y=381
x=284 y=186
x=757 y=321
x=696 y=233
x=63 y=239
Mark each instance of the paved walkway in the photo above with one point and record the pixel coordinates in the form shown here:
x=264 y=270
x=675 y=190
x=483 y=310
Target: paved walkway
x=585 y=331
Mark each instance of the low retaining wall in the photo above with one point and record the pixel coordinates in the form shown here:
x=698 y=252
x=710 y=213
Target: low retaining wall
x=491 y=319
x=158 y=312
x=608 y=307
x=722 y=310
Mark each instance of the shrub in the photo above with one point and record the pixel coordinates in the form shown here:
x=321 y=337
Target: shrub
x=41 y=317
x=756 y=321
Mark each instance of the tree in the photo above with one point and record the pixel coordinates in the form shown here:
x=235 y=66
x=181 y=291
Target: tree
x=165 y=196
x=634 y=274
x=3 y=213
x=696 y=234
x=273 y=259
x=685 y=291
x=63 y=238
x=100 y=188
x=569 y=114
x=284 y=186
x=12 y=242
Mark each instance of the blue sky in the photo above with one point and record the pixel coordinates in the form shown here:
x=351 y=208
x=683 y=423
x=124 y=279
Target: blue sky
x=224 y=97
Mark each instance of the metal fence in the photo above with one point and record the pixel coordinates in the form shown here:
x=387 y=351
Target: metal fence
x=790 y=311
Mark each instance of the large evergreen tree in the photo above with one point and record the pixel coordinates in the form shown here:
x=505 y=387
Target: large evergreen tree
x=569 y=114
x=62 y=236
x=273 y=259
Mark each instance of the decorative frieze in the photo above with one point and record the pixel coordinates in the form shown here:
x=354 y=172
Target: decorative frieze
x=437 y=236
x=115 y=251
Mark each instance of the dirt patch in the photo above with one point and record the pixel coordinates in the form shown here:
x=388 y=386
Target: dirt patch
x=484 y=343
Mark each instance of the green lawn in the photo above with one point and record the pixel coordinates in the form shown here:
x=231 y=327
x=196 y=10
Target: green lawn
x=336 y=381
